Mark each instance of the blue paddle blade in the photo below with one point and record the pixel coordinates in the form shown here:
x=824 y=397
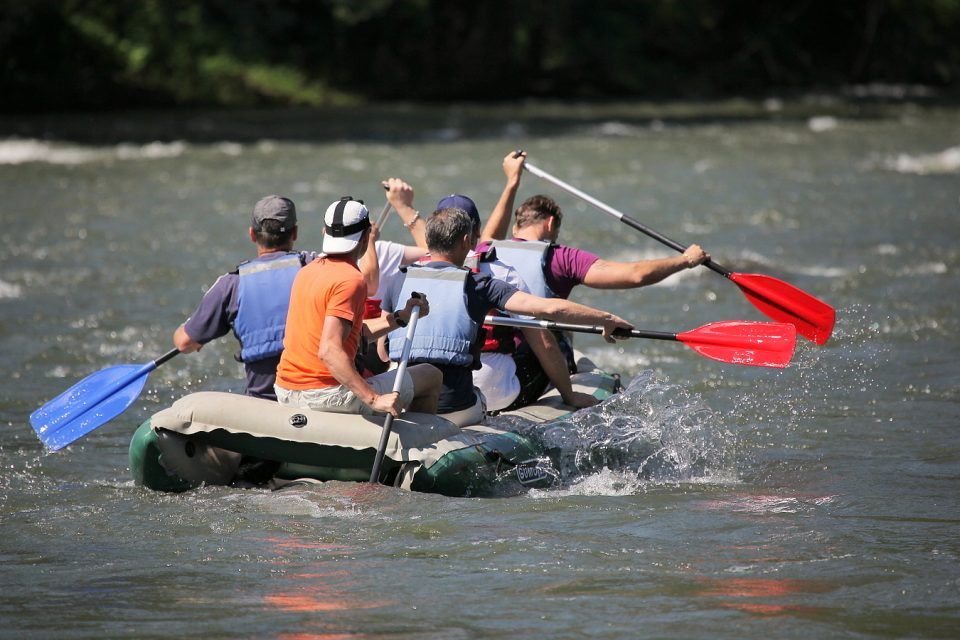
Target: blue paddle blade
x=92 y=402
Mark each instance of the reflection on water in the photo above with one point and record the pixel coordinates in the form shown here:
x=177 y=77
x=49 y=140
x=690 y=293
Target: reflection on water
x=763 y=596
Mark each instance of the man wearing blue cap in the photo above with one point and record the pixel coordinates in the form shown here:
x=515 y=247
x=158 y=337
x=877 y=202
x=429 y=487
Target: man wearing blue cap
x=252 y=299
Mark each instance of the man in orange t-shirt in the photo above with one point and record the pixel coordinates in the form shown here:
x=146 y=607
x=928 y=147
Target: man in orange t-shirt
x=324 y=322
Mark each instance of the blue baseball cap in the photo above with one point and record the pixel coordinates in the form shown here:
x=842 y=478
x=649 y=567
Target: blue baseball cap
x=454 y=201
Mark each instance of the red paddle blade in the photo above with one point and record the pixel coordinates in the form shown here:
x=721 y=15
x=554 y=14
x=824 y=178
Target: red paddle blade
x=761 y=344
x=784 y=302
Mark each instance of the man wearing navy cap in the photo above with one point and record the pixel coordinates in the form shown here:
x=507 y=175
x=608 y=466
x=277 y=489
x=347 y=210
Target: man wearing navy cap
x=252 y=299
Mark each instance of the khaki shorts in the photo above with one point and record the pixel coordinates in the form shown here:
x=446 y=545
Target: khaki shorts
x=339 y=399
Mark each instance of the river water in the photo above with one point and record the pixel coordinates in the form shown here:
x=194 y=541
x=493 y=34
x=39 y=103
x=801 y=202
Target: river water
x=816 y=501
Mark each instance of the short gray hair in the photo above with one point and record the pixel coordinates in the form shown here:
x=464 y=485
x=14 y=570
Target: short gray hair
x=445 y=228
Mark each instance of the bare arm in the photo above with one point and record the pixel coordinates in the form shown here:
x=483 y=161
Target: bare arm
x=376 y=327
x=400 y=195
x=565 y=311
x=499 y=222
x=411 y=255
x=369 y=263
x=544 y=346
x=604 y=274
x=340 y=363
x=183 y=342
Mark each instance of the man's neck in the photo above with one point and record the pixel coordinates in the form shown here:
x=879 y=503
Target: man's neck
x=446 y=257
x=261 y=251
x=534 y=233
x=347 y=258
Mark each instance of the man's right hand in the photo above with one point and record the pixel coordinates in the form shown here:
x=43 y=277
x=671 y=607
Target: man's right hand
x=513 y=166
x=612 y=323
x=399 y=193
x=387 y=403
x=580 y=400
x=695 y=255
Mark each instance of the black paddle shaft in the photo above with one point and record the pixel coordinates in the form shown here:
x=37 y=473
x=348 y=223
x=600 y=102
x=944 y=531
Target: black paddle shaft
x=623 y=333
x=166 y=357
x=642 y=228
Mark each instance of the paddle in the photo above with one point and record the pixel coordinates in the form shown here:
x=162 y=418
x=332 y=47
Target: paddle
x=760 y=344
x=775 y=298
x=384 y=214
x=92 y=402
x=397 y=384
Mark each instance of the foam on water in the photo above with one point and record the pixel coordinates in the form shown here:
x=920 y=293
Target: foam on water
x=20 y=151
x=946 y=161
x=9 y=291
x=923 y=269
x=819 y=124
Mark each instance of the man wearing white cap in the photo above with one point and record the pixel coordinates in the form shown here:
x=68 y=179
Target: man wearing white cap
x=252 y=299
x=324 y=324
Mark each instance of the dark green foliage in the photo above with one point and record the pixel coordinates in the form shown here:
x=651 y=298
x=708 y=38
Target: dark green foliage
x=67 y=54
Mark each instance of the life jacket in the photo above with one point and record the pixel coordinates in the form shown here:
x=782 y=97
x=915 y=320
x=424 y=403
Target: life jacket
x=367 y=362
x=529 y=258
x=447 y=335
x=264 y=297
x=496 y=338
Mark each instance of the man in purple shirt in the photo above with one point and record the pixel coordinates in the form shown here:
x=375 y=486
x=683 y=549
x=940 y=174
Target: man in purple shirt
x=553 y=270
x=252 y=299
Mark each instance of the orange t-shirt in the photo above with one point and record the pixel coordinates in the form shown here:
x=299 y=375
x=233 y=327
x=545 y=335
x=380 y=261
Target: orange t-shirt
x=322 y=288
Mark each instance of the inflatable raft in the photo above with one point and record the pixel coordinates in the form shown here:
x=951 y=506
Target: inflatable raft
x=213 y=438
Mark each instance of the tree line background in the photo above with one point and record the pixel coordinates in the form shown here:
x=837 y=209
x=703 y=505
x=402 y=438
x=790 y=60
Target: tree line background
x=95 y=54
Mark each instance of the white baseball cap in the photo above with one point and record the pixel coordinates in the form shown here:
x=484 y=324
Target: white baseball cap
x=344 y=224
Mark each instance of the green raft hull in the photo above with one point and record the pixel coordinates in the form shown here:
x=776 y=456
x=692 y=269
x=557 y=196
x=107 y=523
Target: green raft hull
x=209 y=439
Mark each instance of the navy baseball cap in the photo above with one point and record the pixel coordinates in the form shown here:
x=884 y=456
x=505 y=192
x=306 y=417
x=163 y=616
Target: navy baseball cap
x=454 y=201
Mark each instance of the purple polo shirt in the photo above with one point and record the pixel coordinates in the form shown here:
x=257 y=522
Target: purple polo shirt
x=566 y=267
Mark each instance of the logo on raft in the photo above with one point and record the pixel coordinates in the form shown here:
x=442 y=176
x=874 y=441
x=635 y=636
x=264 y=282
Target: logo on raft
x=530 y=472
x=298 y=420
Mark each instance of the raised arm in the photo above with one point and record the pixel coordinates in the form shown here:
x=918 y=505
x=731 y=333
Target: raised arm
x=400 y=195
x=605 y=274
x=369 y=263
x=498 y=225
x=565 y=311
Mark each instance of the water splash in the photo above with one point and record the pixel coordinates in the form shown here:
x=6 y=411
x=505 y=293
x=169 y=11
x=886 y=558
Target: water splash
x=653 y=432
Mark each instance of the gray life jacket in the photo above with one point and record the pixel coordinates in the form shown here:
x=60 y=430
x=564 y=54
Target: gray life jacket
x=529 y=258
x=447 y=335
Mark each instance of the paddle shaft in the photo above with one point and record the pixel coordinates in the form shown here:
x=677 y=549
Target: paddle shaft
x=619 y=215
x=384 y=213
x=397 y=385
x=521 y=323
